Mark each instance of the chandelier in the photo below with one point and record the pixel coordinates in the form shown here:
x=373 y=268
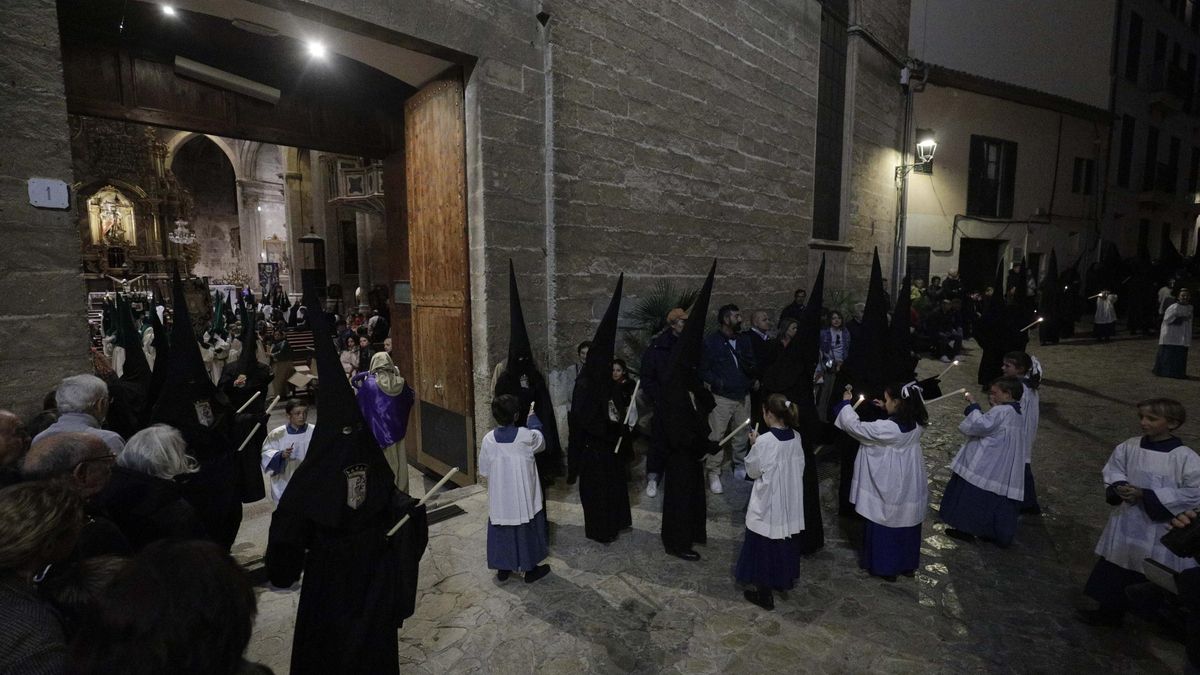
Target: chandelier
x=181 y=234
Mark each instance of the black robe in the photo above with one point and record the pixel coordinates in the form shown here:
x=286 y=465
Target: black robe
x=603 y=491
x=791 y=376
x=359 y=585
x=247 y=462
x=684 y=516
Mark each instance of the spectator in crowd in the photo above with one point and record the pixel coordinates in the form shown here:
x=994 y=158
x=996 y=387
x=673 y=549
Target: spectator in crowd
x=796 y=309
x=143 y=496
x=39 y=524
x=82 y=402
x=180 y=607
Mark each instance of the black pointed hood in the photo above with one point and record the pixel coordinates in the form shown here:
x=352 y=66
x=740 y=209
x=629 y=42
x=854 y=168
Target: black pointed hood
x=520 y=352
x=344 y=474
x=137 y=368
x=249 y=354
x=686 y=353
x=808 y=331
x=868 y=358
x=996 y=302
x=189 y=401
x=604 y=342
x=162 y=354
x=900 y=362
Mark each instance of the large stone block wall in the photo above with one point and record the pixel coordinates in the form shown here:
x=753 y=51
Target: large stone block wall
x=43 y=330
x=683 y=132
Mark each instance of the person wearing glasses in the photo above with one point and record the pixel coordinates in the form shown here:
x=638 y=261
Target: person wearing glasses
x=82 y=402
x=83 y=463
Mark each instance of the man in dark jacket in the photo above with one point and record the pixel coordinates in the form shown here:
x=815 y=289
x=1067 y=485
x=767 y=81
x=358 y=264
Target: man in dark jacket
x=760 y=342
x=796 y=309
x=728 y=369
x=655 y=362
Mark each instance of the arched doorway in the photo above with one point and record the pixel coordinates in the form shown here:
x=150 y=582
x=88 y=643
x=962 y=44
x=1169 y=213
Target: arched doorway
x=205 y=170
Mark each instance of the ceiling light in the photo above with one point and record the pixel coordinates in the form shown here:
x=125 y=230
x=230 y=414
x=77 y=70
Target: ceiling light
x=317 y=49
x=168 y=10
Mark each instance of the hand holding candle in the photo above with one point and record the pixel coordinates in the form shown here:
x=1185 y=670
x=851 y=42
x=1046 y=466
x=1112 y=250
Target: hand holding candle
x=1036 y=322
x=733 y=433
x=943 y=373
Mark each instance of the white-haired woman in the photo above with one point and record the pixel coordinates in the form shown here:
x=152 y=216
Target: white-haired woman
x=144 y=496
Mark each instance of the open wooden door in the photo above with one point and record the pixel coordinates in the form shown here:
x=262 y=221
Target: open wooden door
x=435 y=184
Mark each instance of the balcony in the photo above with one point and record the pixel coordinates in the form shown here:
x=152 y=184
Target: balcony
x=1170 y=89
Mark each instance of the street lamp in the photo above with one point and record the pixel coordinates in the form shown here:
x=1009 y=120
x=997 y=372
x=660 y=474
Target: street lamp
x=926 y=146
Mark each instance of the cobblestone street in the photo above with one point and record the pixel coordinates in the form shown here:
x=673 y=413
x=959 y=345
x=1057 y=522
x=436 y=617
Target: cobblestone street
x=628 y=607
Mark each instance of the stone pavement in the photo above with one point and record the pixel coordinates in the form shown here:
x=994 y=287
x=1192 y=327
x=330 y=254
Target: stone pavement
x=627 y=607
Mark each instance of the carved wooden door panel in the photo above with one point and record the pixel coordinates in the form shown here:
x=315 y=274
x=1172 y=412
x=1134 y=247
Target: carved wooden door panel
x=435 y=172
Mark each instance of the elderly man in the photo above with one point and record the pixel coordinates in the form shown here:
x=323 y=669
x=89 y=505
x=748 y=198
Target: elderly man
x=82 y=402
x=14 y=442
x=81 y=461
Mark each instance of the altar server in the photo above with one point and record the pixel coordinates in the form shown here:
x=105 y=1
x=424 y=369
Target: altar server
x=1149 y=479
x=889 y=488
x=517 y=539
x=770 y=557
x=1028 y=370
x=286 y=447
x=983 y=497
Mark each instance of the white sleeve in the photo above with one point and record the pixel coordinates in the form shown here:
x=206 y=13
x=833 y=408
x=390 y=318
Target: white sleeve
x=759 y=457
x=1114 y=469
x=1187 y=494
x=484 y=464
x=537 y=442
x=979 y=424
x=881 y=432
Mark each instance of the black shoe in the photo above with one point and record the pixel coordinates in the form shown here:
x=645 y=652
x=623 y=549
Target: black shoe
x=536 y=573
x=1031 y=511
x=503 y=575
x=688 y=555
x=1096 y=617
x=890 y=578
x=959 y=534
x=764 y=600
x=606 y=540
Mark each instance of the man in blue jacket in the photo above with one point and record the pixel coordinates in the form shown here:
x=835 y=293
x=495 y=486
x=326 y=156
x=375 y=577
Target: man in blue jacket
x=728 y=369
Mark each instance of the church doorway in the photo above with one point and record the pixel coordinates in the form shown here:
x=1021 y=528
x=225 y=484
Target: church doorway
x=236 y=136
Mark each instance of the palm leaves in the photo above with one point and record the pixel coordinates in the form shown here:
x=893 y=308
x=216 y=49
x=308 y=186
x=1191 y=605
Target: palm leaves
x=649 y=314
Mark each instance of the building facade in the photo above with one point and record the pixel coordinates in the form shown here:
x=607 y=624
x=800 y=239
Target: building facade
x=591 y=139
x=1016 y=173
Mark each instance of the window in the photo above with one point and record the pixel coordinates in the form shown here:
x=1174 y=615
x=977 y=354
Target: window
x=1084 y=175
x=831 y=113
x=917 y=263
x=1133 y=47
x=1149 y=172
x=991 y=177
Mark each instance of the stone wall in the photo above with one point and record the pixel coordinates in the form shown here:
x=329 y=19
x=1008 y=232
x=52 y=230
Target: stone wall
x=43 y=330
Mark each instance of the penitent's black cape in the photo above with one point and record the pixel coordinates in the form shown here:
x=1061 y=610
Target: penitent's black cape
x=331 y=525
x=127 y=408
x=252 y=421
x=192 y=404
x=685 y=405
x=162 y=352
x=521 y=378
x=998 y=331
x=792 y=376
x=594 y=404
x=871 y=367
x=1050 y=305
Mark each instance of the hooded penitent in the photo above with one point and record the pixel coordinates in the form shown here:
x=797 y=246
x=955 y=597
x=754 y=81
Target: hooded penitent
x=332 y=523
x=791 y=372
x=597 y=409
x=191 y=403
x=868 y=360
x=1051 y=303
x=901 y=363
x=1139 y=293
x=162 y=352
x=240 y=380
x=521 y=378
x=685 y=405
x=999 y=331
x=385 y=400
x=126 y=413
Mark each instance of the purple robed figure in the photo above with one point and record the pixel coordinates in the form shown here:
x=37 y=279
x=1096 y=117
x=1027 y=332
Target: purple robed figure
x=386 y=400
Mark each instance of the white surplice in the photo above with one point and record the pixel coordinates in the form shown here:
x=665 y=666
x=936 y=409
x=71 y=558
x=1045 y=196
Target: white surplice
x=276 y=442
x=1131 y=535
x=514 y=491
x=889 y=486
x=1177 y=326
x=776 y=509
x=1031 y=412
x=993 y=458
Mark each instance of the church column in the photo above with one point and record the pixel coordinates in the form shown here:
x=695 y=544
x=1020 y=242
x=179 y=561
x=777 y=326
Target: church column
x=362 y=226
x=260 y=215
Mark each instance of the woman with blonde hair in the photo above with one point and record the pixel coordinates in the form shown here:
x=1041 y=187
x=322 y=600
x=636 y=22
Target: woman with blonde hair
x=145 y=496
x=39 y=524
